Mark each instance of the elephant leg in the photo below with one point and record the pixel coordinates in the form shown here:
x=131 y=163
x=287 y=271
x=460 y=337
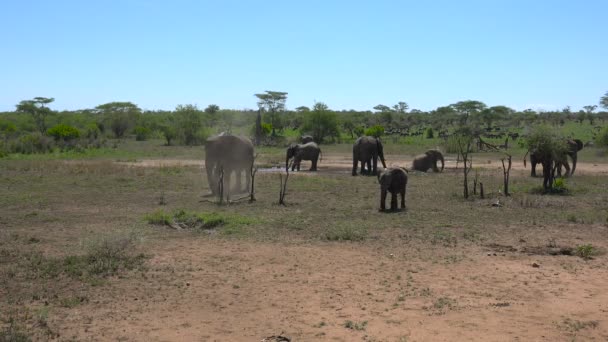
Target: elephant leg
x=393 y=201
x=369 y=166
x=382 y=199
x=435 y=169
x=238 y=186
x=374 y=166
x=574 y=157
x=532 y=169
x=209 y=168
x=355 y=162
x=363 y=162
x=567 y=167
x=403 y=198
x=313 y=167
x=227 y=178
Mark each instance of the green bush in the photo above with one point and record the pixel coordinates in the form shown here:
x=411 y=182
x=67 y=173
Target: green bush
x=64 y=132
x=142 y=133
x=602 y=138
x=375 y=131
x=7 y=127
x=92 y=131
x=428 y=133
x=32 y=143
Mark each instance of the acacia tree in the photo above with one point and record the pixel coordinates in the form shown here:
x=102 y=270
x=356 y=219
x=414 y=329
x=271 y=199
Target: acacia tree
x=604 y=101
x=468 y=108
x=122 y=116
x=401 y=107
x=274 y=103
x=37 y=109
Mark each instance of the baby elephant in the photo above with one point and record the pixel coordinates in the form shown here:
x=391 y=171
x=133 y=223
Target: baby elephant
x=393 y=180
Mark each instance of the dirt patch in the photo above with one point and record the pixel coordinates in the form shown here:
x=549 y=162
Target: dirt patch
x=239 y=291
x=341 y=164
x=546 y=250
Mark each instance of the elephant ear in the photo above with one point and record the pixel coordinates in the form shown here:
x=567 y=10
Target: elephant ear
x=579 y=144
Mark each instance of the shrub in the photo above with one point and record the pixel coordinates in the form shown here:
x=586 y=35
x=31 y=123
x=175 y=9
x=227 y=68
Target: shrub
x=602 y=138
x=586 y=251
x=142 y=133
x=428 y=133
x=32 y=143
x=64 y=132
x=7 y=127
x=346 y=233
x=375 y=131
x=92 y=131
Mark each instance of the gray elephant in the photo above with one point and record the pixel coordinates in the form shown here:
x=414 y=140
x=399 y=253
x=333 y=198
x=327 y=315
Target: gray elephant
x=393 y=180
x=234 y=155
x=367 y=150
x=574 y=145
x=299 y=152
x=306 y=139
x=427 y=161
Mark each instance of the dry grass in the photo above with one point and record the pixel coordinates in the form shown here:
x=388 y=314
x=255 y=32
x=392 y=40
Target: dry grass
x=54 y=215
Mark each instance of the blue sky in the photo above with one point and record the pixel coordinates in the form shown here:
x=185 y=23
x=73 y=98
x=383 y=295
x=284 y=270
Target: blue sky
x=348 y=54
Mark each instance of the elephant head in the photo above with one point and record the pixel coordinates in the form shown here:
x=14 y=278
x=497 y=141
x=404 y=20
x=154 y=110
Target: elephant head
x=292 y=150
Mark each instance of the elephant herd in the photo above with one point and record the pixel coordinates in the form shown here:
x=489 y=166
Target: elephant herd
x=228 y=155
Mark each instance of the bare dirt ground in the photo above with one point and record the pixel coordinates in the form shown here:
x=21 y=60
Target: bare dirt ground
x=341 y=162
x=242 y=291
x=508 y=287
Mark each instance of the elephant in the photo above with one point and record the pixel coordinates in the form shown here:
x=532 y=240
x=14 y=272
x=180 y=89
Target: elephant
x=366 y=150
x=299 y=152
x=574 y=145
x=427 y=161
x=393 y=180
x=306 y=139
x=232 y=154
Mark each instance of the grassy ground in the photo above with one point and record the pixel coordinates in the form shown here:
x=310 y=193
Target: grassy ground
x=73 y=228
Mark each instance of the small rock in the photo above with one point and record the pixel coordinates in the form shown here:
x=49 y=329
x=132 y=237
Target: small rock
x=187 y=284
x=535 y=265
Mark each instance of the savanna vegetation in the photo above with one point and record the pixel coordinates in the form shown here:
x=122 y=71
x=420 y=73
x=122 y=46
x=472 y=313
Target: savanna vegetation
x=105 y=234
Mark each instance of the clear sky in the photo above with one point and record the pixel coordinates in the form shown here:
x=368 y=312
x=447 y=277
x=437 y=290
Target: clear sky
x=348 y=54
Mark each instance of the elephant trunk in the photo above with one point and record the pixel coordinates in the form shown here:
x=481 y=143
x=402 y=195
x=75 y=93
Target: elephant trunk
x=442 y=162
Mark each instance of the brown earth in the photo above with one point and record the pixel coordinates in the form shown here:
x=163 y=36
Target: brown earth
x=208 y=289
x=341 y=162
x=243 y=291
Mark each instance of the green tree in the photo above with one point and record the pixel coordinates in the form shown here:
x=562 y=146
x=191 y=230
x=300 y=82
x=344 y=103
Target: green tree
x=273 y=102
x=38 y=110
x=121 y=116
x=302 y=109
x=321 y=123
x=401 y=107
x=189 y=125
x=604 y=101
x=383 y=109
x=467 y=108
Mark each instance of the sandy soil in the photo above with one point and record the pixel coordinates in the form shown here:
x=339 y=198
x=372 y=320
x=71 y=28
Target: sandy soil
x=242 y=291
x=341 y=162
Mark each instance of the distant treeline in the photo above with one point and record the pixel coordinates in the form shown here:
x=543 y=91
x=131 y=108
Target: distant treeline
x=35 y=127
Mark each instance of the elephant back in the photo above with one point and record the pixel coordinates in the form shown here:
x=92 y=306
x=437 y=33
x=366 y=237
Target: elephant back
x=230 y=148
